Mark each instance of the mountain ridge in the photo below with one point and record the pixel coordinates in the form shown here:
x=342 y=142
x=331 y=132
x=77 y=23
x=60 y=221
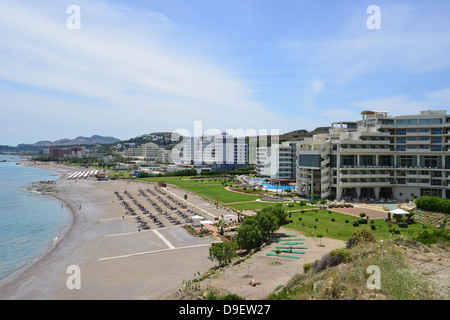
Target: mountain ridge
x=80 y=140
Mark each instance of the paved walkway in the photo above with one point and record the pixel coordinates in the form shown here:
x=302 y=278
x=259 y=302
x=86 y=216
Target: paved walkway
x=355 y=211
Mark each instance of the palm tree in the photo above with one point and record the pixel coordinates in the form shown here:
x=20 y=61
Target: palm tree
x=221 y=224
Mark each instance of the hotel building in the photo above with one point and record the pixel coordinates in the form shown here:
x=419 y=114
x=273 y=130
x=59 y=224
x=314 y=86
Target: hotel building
x=72 y=152
x=222 y=152
x=149 y=152
x=277 y=162
x=379 y=156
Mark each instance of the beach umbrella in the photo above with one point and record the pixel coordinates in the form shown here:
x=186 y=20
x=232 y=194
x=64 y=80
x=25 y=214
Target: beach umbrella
x=197 y=217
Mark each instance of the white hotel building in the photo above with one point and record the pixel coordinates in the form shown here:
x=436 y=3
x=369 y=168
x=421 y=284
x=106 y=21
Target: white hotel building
x=380 y=156
x=221 y=151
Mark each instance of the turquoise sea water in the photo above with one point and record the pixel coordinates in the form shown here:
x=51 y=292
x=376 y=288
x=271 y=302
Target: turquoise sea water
x=30 y=223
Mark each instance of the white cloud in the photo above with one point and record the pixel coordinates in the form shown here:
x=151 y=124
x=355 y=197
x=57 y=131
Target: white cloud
x=117 y=71
x=317 y=86
x=440 y=95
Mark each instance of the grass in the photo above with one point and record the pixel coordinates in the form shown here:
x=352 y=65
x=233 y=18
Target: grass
x=211 y=189
x=398 y=280
x=341 y=230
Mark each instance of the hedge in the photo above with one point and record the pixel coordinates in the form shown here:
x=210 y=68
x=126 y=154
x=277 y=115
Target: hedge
x=433 y=204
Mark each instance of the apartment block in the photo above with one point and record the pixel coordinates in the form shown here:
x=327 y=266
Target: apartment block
x=277 y=161
x=222 y=152
x=148 y=151
x=72 y=152
x=378 y=157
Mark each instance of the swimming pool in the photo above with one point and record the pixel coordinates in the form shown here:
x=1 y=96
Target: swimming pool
x=278 y=187
x=390 y=206
x=269 y=186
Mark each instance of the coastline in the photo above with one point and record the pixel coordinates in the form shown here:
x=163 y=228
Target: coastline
x=117 y=262
x=13 y=276
x=95 y=240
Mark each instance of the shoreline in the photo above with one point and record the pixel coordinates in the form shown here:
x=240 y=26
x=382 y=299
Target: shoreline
x=117 y=262
x=52 y=244
x=95 y=239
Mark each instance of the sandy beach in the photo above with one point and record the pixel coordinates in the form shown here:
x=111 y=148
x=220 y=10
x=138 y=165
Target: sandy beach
x=118 y=261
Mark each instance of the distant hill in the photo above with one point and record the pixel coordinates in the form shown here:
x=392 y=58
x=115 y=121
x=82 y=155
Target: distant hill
x=95 y=139
x=163 y=139
x=302 y=134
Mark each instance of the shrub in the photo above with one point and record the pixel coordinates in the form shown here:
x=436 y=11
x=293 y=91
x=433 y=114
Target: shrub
x=343 y=253
x=307 y=267
x=232 y=296
x=403 y=225
x=333 y=220
x=355 y=224
x=362 y=214
x=433 y=204
x=434 y=237
x=360 y=236
x=362 y=221
x=328 y=260
x=346 y=221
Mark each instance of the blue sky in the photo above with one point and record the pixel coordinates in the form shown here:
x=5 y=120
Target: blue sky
x=137 y=67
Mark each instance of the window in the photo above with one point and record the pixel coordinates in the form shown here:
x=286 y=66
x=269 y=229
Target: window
x=401 y=140
x=401 y=148
x=348 y=160
x=367 y=160
x=430 y=161
x=436 y=140
x=406 y=161
x=333 y=161
x=430 y=121
x=407 y=122
x=308 y=160
x=411 y=130
x=436 y=131
x=385 y=160
x=401 y=131
x=412 y=138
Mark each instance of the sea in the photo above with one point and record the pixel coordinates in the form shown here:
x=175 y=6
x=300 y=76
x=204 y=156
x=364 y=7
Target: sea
x=30 y=223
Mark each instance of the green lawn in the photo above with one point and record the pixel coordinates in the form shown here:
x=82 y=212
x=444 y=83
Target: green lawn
x=339 y=229
x=208 y=188
x=261 y=205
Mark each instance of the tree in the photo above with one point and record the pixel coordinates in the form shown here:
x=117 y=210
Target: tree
x=279 y=212
x=222 y=252
x=248 y=236
x=320 y=236
x=267 y=223
x=221 y=224
x=278 y=252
